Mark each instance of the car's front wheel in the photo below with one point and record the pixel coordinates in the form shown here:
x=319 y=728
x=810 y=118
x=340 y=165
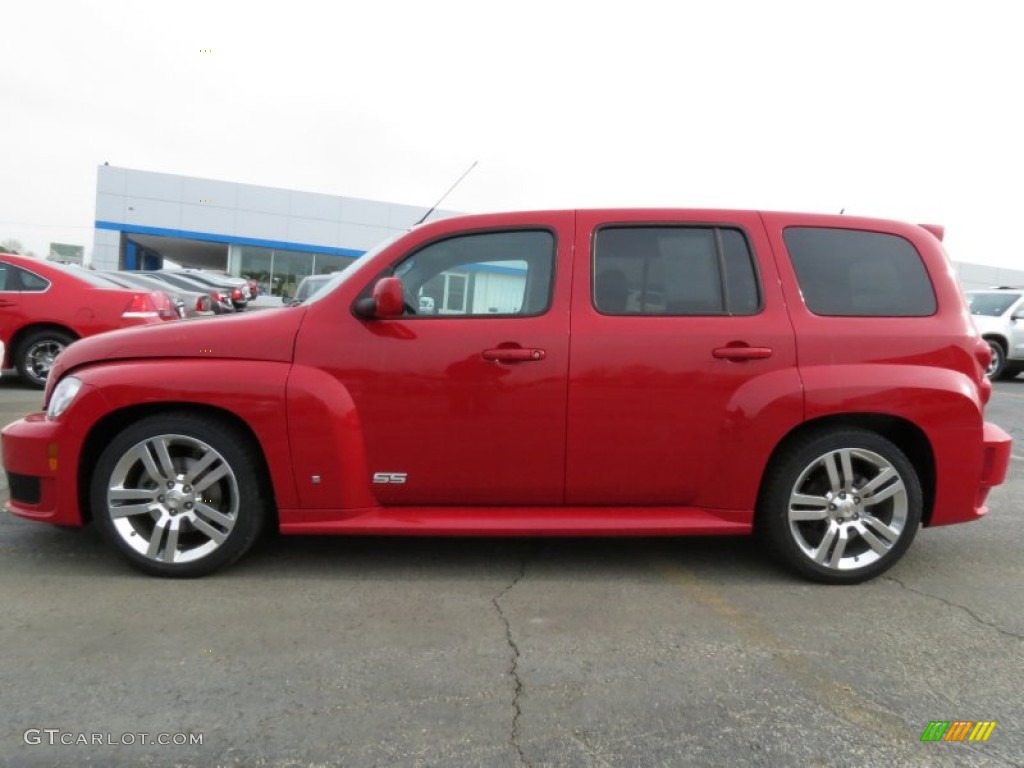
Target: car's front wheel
x=180 y=494
x=840 y=507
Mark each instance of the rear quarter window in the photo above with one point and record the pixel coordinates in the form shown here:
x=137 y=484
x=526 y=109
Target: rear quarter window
x=854 y=273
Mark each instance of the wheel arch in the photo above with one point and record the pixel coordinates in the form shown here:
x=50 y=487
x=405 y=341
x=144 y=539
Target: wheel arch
x=903 y=433
x=14 y=343
x=998 y=338
x=106 y=428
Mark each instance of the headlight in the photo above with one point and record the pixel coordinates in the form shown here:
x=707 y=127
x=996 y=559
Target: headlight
x=62 y=396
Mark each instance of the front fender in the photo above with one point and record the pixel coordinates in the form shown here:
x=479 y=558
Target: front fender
x=328 y=451
x=251 y=391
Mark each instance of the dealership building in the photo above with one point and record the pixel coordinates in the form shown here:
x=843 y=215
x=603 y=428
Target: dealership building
x=275 y=236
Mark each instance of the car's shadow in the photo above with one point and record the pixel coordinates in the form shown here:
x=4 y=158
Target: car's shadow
x=11 y=381
x=81 y=553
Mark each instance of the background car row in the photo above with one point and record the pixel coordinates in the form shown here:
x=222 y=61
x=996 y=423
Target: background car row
x=220 y=298
x=45 y=306
x=189 y=303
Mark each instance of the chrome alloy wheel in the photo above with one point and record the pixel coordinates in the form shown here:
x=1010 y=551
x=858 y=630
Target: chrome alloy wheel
x=39 y=358
x=173 y=498
x=848 y=509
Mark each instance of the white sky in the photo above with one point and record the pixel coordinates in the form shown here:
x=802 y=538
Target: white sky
x=898 y=109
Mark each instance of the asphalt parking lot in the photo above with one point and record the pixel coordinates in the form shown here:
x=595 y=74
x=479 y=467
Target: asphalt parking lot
x=410 y=652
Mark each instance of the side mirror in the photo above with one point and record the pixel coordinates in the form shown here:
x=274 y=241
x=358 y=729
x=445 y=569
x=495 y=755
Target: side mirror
x=387 y=300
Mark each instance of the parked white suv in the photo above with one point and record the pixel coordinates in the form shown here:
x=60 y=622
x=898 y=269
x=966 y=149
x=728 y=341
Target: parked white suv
x=998 y=314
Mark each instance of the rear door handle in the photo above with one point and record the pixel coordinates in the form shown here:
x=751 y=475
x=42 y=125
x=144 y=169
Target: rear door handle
x=514 y=355
x=742 y=353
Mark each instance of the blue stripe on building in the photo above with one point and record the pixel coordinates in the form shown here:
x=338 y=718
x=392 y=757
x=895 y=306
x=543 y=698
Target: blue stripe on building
x=228 y=239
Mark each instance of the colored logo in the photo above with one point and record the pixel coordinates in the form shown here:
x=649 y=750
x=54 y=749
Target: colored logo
x=958 y=730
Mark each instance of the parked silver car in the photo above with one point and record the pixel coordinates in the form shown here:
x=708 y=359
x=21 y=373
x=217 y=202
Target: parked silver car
x=220 y=299
x=188 y=303
x=998 y=314
x=235 y=288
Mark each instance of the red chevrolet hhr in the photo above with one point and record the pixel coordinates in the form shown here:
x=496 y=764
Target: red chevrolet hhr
x=814 y=379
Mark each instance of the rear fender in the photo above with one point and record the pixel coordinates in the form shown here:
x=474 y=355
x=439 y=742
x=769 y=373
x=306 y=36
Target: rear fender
x=944 y=404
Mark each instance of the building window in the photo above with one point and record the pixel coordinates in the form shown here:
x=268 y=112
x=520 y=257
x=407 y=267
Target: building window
x=278 y=271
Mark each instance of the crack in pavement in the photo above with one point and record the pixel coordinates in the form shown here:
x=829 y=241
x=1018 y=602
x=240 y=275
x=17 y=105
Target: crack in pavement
x=514 y=664
x=951 y=604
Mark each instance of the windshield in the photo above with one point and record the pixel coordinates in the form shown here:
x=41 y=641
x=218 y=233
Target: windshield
x=991 y=304
x=340 y=277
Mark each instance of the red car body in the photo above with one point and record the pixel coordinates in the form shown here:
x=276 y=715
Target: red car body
x=567 y=421
x=72 y=302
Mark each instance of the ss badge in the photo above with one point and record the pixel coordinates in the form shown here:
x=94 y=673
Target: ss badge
x=389 y=478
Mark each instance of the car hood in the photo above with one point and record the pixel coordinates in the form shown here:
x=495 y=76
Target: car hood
x=257 y=335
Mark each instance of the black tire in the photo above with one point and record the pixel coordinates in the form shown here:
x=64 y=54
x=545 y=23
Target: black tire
x=36 y=353
x=175 y=529
x=836 y=531
x=997 y=368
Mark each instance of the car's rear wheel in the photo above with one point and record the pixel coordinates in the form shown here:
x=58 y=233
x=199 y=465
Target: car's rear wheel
x=841 y=507
x=180 y=494
x=37 y=353
x=998 y=364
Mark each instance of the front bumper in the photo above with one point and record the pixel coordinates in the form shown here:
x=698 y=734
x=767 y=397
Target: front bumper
x=33 y=464
x=41 y=458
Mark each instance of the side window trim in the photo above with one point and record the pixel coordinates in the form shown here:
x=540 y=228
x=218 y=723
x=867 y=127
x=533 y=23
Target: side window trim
x=723 y=274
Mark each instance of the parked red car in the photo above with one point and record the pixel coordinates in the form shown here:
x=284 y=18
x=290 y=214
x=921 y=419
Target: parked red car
x=812 y=378
x=44 y=306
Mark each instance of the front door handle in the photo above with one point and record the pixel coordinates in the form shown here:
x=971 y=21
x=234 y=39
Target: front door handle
x=742 y=353
x=514 y=355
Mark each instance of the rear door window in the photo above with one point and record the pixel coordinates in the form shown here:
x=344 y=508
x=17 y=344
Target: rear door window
x=658 y=270
x=854 y=273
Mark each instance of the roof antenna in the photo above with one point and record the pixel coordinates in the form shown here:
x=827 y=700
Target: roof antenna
x=842 y=211
x=453 y=186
